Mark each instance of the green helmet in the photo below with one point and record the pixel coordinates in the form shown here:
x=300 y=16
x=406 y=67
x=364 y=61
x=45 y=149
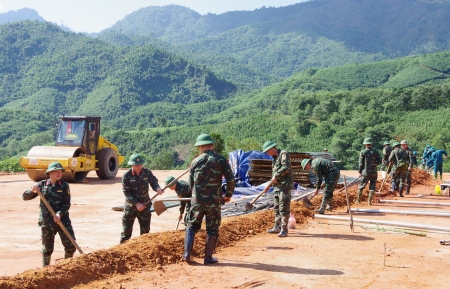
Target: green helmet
x=204 y=139
x=386 y=143
x=136 y=159
x=367 y=140
x=396 y=143
x=169 y=180
x=268 y=145
x=305 y=162
x=325 y=149
x=55 y=166
x=404 y=141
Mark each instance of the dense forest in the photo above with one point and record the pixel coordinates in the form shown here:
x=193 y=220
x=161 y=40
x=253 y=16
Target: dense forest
x=255 y=48
x=154 y=101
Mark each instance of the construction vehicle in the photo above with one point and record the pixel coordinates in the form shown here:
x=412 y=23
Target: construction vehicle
x=79 y=148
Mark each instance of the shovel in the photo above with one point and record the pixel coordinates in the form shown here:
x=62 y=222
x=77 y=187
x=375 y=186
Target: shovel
x=168 y=185
x=249 y=206
x=72 y=240
x=307 y=202
x=384 y=180
x=160 y=208
x=348 y=205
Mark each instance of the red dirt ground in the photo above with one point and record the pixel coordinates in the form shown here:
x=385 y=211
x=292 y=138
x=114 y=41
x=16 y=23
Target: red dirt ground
x=317 y=253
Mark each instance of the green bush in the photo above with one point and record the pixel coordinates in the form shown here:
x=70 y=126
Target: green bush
x=10 y=165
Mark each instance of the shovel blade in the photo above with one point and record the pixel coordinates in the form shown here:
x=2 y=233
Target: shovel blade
x=307 y=203
x=248 y=207
x=159 y=207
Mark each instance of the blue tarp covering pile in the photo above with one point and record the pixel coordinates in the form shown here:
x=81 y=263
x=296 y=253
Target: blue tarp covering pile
x=240 y=160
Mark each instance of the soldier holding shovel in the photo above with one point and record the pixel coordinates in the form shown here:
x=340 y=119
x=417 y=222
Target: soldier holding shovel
x=57 y=196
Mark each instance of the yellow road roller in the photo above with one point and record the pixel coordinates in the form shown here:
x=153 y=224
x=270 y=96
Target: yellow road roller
x=79 y=148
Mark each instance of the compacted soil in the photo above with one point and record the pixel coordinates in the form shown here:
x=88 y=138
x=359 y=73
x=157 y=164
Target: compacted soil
x=315 y=254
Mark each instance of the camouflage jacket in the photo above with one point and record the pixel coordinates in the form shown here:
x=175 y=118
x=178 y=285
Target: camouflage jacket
x=401 y=159
x=386 y=153
x=58 y=197
x=205 y=179
x=322 y=168
x=183 y=191
x=281 y=171
x=135 y=187
x=369 y=159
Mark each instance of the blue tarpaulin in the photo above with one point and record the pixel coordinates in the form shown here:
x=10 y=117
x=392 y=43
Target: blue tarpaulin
x=239 y=162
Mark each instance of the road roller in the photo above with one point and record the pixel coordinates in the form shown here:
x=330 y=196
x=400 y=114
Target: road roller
x=79 y=148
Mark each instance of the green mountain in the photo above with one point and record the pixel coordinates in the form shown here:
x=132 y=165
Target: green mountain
x=19 y=15
x=49 y=70
x=268 y=44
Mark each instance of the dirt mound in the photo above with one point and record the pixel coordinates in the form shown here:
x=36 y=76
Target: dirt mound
x=152 y=251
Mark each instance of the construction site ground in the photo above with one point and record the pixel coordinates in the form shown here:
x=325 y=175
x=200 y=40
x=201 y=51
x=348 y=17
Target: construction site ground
x=315 y=254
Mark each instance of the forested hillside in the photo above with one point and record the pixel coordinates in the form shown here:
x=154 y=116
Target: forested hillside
x=254 y=48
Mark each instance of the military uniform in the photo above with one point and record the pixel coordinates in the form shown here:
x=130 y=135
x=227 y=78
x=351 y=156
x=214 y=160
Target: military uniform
x=401 y=160
x=369 y=159
x=325 y=171
x=58 y=197
x=135 y=188
x=184 y=191
x=387 y=149
x=409 y=172
x=282 y=172
x=205 y=180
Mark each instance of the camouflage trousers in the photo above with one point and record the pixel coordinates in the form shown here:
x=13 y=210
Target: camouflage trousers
x=186 y=213
x=408 y=178
x=129 y=215
x=368 y=179
x=212 y=214
x=330 y=183
x=48 y=239
x=282 y=205
x=399 y=177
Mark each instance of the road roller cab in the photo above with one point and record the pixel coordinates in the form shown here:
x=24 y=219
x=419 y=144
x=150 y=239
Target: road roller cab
x=79 y=148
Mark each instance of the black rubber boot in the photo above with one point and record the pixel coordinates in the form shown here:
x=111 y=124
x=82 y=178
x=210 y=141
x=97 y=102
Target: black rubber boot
x=211 y=243
x=400 y=190
x=46 y=261
x=407 y=190
x=188 y=244
x=68 y=255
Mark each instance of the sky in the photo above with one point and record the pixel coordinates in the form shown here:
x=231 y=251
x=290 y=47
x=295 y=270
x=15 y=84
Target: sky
x=96 y=15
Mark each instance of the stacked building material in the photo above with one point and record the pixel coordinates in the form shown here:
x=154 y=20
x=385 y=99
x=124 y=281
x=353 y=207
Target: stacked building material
x=261 y=170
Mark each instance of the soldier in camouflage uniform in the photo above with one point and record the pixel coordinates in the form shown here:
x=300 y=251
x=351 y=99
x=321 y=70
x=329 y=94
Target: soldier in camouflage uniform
x=409 y=172
x=205 y=180
x=402 y=162
x=57 y=194
x=135 y=183
x=282 y=186
x=183 y=191
x=393 y=162
x=387 y=149
x=324 y=169
x=369 y=159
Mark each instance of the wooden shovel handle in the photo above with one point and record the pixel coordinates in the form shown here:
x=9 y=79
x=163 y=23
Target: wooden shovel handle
x=168 y=185
x=59 y=223
x=263 y=192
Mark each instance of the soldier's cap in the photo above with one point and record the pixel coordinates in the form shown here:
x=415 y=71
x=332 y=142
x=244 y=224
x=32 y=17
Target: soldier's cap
x=305 y=162
x=367 y=141
x=204 y=139
x=55 y=166
x=386 y=143
x=136 y=159
x=395 y=144
x=268 y=145
x=325 y=149
x=169 y=180
x=404 y=141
